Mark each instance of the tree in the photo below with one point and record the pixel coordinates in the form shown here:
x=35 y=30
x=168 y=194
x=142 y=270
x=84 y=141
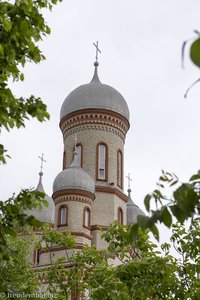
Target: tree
x=22 y=26
x=142 y=271
x=16 y=276
x=182 y=202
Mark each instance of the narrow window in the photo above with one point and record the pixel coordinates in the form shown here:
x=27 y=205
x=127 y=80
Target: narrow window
x=64 y=160
x=119 y=168
x=62 y=215
x=86 y=217
x=120 y=215
x=102 y=162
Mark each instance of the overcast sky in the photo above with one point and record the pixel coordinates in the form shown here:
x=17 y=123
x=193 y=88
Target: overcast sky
x=141 y=58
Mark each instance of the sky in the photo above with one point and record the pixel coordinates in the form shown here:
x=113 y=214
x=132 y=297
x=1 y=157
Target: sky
x=141 y=45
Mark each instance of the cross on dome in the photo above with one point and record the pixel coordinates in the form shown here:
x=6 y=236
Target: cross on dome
x=129 y=180
x=97 y=50
x=42 y=161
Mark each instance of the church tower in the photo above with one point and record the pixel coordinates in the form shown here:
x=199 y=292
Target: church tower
x=89 y=192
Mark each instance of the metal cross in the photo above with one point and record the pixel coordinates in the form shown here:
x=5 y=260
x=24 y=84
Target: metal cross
x=97 y=50
x=129 y=180
x=42 y=160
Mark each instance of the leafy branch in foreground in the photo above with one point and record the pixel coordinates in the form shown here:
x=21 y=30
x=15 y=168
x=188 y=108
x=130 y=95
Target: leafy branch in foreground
x=129 y=270
x=22 y=26
x=183 y=203
x=13 y=217
x=194 y=53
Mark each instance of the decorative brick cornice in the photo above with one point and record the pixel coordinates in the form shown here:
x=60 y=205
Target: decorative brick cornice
x=82 y=234
x=72 y=193
x=94 y=116
x=60 y=248
x=99 y=227
x=111 y=190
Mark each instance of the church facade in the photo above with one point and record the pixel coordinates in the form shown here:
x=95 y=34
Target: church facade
x=88 y=194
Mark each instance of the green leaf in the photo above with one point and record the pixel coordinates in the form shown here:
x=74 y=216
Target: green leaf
x=1 y=49
x=143 y=221
x=166 y=216
x=147 y=202
x=195 y=177
x=7 y=24
x=195 y=52
x=155 y=232
x=134 y=233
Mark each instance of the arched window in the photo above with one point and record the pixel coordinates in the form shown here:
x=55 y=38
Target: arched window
x=86 y=217
x=120 y=215
x=64 y=160
x=119 y=168
x=102 y=162
x=79 y=149
x=62 y=215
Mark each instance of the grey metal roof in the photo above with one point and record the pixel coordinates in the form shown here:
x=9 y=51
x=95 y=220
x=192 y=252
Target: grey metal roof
x=74 y=177
x=132 y=210
x=45 y=214
x=95 y=95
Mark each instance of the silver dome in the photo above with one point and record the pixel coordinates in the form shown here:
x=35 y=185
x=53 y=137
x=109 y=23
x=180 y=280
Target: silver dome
x=45 y=214
x=132 y=210
x=97 y=96
x=74 y=177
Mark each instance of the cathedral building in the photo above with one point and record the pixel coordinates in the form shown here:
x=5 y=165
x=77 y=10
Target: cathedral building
x=88 y=194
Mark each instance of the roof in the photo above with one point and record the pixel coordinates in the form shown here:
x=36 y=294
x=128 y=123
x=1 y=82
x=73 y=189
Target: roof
x=95 y=95
x=74 y=177
x=45 y=214
x=132 y=210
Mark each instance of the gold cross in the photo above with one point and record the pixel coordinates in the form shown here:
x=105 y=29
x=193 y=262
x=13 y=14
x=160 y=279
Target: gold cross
x=129 y=180
x=97 y=50
x=42 y=160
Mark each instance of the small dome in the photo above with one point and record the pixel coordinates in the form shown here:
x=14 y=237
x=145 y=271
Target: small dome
x=95 y=95
x=74 y=177
x=45 y=214
x=132 y=210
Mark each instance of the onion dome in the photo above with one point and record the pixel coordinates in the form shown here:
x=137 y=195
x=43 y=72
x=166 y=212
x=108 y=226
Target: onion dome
x=74 y=178
x=95 y=95
x=132 y=210
x=46 y=213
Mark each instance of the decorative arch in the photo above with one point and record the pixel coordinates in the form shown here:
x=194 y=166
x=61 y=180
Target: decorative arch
x=120 y=215
x=119 y=168
x=102 y=161
x=63 y=216
x=86 y=217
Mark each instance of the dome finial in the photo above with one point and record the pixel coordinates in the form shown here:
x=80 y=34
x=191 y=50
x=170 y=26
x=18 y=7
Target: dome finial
x=40 y=186
x=129 y=187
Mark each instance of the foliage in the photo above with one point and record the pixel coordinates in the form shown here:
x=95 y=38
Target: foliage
x=13 y=217
x=128 y=270
x=194 y=53
x=22 y=26
x=182 y=204
x=16 y=276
